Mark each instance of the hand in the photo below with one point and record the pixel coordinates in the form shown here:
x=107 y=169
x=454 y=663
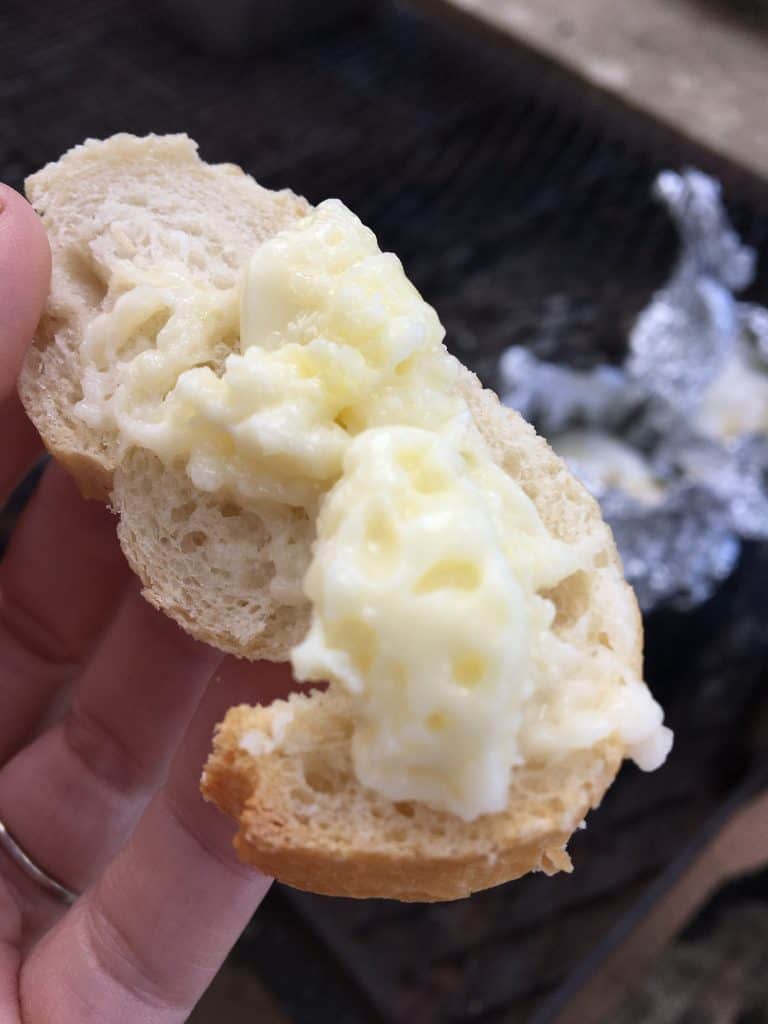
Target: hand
x=105 y=721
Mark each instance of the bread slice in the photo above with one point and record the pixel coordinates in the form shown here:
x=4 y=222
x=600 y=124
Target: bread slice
x=233 y=576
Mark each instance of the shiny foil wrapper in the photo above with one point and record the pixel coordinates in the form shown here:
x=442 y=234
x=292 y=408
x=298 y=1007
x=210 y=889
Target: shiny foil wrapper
x=674 y=443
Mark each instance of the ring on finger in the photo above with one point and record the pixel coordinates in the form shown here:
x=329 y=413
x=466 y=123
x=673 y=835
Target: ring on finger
x=32 y=870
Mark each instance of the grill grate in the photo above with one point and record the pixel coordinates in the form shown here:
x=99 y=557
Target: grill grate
x=524 y=220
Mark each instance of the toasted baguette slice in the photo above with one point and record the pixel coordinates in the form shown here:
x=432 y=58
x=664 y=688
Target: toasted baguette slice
x=233 y=577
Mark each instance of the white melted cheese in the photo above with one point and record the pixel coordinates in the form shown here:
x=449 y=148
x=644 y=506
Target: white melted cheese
x=430 y=572
x=601 y=461
x=736 y=402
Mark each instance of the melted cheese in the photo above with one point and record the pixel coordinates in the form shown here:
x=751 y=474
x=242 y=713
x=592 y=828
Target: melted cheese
x=604 y=462
x=736 y=402
x=430 y=573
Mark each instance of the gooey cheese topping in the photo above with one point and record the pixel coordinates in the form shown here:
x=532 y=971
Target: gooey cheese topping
x=431 y=569
x=736 y=402
x=601 y=461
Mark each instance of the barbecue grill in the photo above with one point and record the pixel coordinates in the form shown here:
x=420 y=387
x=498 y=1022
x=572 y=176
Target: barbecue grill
x=525 y=217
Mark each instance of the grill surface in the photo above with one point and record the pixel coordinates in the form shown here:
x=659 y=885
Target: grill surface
x=523 y=220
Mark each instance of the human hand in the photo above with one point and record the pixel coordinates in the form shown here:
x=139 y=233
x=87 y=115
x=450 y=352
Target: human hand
x=105 y=721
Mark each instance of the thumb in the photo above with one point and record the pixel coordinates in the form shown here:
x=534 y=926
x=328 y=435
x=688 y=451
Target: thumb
x=25 y=269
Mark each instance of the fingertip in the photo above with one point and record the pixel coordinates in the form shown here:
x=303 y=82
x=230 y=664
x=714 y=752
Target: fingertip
x=14 y=209
x=25 y=270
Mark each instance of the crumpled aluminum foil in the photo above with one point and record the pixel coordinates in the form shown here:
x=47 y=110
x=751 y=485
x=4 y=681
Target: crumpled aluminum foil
x=686 y=493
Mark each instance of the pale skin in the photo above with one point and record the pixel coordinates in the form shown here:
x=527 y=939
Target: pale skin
x=106 y=716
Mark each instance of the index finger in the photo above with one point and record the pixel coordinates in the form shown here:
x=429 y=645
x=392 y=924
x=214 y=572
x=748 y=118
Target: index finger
x=148 y=938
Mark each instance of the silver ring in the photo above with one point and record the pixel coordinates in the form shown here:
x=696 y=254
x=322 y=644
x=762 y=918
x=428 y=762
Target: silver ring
x=28 y=866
